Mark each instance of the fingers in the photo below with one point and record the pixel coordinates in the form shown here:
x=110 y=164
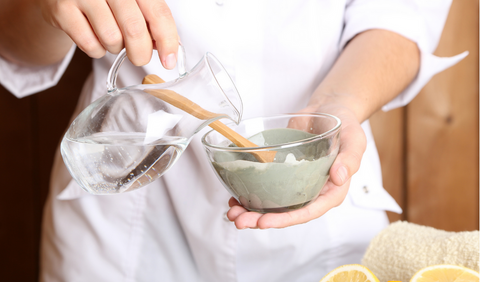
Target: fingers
x=71 y=20
x=104 y=25
x=330 y=197
x=240 y=216
x=163 y=30
x=352 y=146
x=134 y=29
x=97 y=26
x=233 y=202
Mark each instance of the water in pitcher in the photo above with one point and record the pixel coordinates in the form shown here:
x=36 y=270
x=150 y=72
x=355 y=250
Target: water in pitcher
x=110 y=163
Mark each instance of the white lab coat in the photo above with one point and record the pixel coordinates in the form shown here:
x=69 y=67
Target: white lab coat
x=175 y=229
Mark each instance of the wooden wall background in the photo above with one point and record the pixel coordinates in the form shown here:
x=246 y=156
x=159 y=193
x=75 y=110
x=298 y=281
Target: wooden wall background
x=429 y=150
x=31 y=129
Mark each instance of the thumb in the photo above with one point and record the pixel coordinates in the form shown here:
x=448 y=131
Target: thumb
x=353 y=143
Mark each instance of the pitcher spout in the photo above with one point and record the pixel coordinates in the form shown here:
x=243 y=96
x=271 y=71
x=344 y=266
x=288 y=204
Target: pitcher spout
x=226 y=86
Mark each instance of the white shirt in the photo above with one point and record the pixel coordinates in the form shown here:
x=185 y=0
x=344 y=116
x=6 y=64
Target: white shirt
x=277 y=52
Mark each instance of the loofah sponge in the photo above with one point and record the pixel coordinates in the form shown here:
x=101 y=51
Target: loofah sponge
x=403 y=248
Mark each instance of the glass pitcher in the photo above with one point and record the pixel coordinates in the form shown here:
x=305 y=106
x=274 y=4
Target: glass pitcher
x=130 y=137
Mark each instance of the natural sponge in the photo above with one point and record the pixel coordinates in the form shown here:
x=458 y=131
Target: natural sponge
x=403 y=248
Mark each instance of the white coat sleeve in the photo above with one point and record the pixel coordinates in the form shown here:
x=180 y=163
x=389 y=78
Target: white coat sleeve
x=421 y=21
x=22 y=81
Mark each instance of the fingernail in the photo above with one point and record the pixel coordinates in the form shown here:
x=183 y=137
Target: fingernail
x=342 y=173
x=170 y=61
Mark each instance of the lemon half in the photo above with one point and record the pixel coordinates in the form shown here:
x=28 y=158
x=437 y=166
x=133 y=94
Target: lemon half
x=350 y=273
x=445 y=273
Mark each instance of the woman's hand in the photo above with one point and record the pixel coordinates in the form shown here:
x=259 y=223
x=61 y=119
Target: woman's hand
x=97 y=26
x=374 y=67
x=352 y=147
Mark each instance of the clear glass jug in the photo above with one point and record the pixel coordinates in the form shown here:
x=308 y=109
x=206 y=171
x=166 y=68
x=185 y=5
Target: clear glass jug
x=130 y=137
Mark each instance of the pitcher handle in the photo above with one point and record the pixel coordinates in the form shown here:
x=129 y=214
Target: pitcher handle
x=113 y=72
x=181 y=61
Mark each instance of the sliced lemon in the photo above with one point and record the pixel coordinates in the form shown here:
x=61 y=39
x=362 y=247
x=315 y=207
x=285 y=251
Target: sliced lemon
x=445 y=273
x=350 y=273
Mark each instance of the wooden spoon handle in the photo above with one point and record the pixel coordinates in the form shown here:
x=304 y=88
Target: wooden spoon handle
x=175 y=99
x=190 y=107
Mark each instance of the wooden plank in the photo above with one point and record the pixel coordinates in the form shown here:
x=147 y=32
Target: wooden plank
x=442 y=141
x=55 y=109
x=17 y=234
x=388 y=131
x=31 y=130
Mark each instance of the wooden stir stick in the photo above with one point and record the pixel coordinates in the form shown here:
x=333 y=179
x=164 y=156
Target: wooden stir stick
x=190 y=107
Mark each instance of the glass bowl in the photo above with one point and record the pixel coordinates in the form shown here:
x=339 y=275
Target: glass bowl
x=306 y=145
